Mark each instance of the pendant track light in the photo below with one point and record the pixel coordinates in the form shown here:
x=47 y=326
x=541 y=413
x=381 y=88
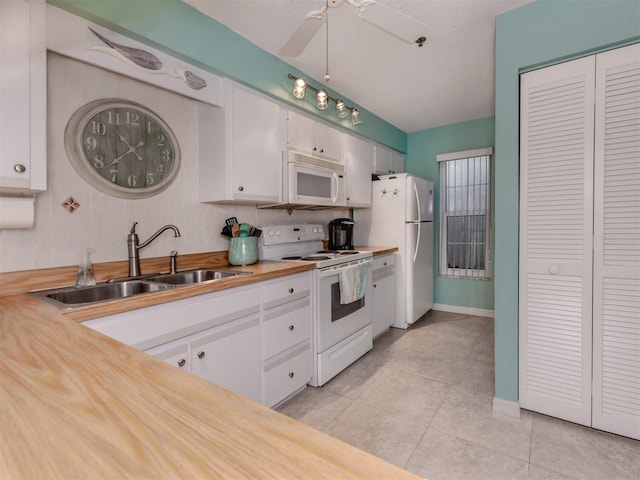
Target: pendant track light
x=300 y=86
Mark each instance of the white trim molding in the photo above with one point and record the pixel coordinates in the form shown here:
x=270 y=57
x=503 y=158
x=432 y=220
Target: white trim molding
x=478 y=312
x=506 y=407
x=478 y=152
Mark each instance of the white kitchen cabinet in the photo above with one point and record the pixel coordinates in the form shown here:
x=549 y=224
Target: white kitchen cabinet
x=174 y=353
x=225 y=326
x=307 y=135
x=579 y=315
x=254 y=340
x=358 y=157
x=384 y=293
x=286 y=337
x=386 y=161
x=241 y=149
x=23 y=89
x=229 y=356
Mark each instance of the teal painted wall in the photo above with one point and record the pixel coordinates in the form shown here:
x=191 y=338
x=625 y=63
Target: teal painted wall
x=539 y=33
x=420 y=160
x=180 y=30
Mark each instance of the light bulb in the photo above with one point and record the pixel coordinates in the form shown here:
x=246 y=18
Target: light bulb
x=355 y=117
x=341 y=108
x=299 y=87
x=322 y=100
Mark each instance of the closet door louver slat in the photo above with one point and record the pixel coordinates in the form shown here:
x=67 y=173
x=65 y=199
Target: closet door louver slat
x=556 y=240
x=616 y=311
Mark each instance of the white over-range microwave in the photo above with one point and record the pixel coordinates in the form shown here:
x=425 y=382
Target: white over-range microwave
x=312 y=182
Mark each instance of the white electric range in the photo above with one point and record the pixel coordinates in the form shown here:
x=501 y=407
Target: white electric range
x=342 y=332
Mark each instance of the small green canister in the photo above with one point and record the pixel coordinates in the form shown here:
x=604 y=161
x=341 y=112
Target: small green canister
x=243 y=250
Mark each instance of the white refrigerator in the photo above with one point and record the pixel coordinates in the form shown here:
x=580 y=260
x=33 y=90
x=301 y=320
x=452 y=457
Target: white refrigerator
x=402 y=215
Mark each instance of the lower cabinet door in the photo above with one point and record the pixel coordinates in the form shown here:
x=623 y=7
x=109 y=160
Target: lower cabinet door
x=174 y=353
x=229 y=356
x=285 y=375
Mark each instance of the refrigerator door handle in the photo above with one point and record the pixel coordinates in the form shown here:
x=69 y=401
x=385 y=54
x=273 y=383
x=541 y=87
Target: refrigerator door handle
x=415 y=252
x=417 y=198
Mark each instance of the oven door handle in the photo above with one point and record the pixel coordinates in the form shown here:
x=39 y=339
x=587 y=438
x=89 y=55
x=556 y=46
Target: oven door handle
x=336 y=269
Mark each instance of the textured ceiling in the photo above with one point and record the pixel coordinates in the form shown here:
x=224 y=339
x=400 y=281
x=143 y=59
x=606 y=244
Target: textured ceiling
x=450 y=79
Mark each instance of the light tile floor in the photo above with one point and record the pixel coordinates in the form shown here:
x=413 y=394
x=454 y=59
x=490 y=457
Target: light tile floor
x=422 y=399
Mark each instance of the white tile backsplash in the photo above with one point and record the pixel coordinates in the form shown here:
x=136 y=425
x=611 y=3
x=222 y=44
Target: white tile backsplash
x=103 y=221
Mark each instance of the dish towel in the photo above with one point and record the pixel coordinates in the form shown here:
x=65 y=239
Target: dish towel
x=353 y=283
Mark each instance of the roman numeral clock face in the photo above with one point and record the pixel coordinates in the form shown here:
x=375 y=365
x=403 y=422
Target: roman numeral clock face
x=122 y=148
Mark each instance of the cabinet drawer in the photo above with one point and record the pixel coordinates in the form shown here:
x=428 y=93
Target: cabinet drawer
x=286 y=326
x=286 y=375
x=287 y=290
x=384 y=262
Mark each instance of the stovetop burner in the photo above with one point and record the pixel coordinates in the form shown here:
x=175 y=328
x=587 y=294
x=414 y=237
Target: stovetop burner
x=315 y=258
x=294 y=257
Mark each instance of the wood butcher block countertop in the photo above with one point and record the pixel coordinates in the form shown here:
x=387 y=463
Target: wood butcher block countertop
x=77 y=404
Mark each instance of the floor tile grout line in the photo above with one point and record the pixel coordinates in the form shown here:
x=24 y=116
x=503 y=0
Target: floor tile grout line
x=426 y=429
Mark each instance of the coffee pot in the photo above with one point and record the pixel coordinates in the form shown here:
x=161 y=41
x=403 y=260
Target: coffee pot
x=341 y=234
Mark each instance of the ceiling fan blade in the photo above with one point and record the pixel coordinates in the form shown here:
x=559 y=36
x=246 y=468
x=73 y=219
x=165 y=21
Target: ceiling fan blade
x=302 y=36
x=392 y=21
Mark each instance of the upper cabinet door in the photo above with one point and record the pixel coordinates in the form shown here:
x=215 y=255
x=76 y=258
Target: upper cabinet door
x=329 y=141
x=255 y=146
x=358 y=155
x=301 y=132
x=23 y=116
x=240 y=149
x=310 y=136
x=386 y=161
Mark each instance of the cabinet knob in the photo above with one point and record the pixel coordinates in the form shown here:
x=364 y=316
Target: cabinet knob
x=291 y=327
x=240 y=188
x=291 y=374
x=375 y=286
x=181 y=362
x=384 y=264
x=18 y=167
x=291 y=290
x=553 y=270
x=200 y=354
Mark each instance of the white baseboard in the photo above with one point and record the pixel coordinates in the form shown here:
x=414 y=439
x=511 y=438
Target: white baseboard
x=506 y=407
x=478 y=312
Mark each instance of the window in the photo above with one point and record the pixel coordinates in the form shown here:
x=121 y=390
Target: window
x=465 y=208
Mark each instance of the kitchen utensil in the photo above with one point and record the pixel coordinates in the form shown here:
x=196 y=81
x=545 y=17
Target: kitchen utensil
x=231 y=221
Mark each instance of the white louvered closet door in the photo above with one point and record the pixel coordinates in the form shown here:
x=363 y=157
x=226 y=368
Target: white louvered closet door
x=616 y=307
x=556 y=225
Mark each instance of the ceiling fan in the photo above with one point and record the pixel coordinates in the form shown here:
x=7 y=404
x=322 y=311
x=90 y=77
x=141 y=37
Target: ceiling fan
x=381 y=16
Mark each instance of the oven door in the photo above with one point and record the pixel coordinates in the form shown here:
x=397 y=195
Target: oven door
x=336 y=321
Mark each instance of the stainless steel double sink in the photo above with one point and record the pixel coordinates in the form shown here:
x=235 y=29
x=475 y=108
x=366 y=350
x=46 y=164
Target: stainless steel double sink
x=67 y=297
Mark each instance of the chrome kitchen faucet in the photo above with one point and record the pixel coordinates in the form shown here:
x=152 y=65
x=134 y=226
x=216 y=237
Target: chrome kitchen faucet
x=134 y=247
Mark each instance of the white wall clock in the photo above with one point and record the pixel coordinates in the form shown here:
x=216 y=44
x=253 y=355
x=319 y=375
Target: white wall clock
x=122 y=148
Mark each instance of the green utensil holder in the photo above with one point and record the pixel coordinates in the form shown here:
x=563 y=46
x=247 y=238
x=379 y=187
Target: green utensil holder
x=243 y=250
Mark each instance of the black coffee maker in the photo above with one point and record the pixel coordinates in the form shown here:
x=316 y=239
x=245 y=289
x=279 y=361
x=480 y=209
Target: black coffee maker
x=341 y=234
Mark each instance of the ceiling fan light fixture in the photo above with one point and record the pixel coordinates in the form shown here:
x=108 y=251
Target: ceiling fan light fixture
x=299 y=87
x=322 y=99
x=341 y=108
x=355 y=117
